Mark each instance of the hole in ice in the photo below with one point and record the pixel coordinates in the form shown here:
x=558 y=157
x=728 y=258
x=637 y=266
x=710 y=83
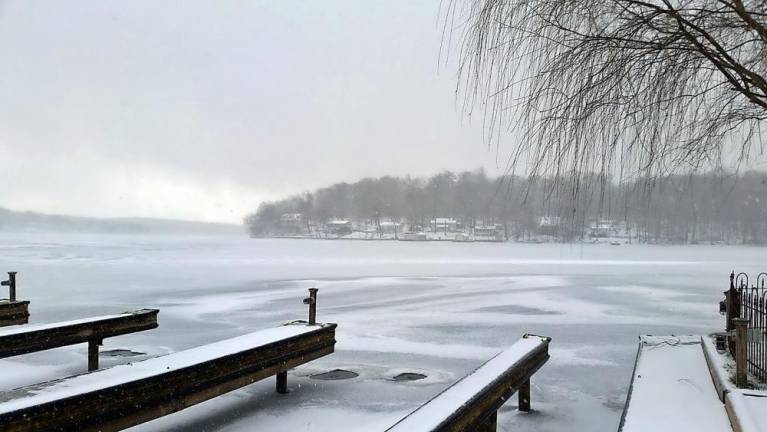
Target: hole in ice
x=409 y=376
x=121 y=353
x=334 y=375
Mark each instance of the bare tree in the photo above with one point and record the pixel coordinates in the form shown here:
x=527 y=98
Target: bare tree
x=616 y=86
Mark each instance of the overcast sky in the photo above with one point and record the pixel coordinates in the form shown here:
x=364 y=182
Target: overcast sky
x=202 y=109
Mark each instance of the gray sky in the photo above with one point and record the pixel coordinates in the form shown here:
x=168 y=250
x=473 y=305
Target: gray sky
x=201 y=109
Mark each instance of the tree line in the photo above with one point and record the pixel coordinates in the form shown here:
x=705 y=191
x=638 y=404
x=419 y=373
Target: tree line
x=705 y=207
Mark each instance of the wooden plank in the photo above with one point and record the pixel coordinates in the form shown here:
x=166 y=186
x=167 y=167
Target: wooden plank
x=47 y=336
x=114 y=399
x=13 y=312
x=471 y=403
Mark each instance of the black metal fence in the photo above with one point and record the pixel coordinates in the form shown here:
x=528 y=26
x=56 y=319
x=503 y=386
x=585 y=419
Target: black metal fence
x=748 y=299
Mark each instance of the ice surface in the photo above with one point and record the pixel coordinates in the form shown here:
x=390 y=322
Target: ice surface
x=437 y=308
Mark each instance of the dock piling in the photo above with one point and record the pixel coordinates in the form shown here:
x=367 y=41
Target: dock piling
x=282 y=382
x=490 y=425
x=524 y=396
x=11 y=284
x=312 y=302
x=12 y=311
x=93 y=354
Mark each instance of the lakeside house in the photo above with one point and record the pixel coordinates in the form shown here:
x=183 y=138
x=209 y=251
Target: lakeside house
x=549 y=225
x=444 y=225
x=388 y=227
x=292 y=223
x=338 y=227
x=489 y=233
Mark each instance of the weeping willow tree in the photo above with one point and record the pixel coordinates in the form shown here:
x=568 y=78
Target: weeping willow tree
x=634 y=88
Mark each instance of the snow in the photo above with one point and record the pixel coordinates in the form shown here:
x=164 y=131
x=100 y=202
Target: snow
x=721 y=366
x=84 y=383
x=437 y=308
x=435 y=411
x=748 y=409
x=672 y=388
x=745 y=406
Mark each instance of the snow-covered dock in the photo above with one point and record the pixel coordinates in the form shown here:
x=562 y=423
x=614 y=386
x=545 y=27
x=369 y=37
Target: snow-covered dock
x=472 y=403
x=672 y=389
x=13 y=312
x=126 y=395
x=31 y=338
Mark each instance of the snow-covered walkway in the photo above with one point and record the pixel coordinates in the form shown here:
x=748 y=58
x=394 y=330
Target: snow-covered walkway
x=672 y=389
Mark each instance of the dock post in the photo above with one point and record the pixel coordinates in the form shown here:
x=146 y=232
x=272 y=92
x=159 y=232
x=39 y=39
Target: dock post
x=93 y=354
x=11 y=284
x=741 y=351
x=524 y=396
x=282 y=382
x=490 y=425
x=312 y=302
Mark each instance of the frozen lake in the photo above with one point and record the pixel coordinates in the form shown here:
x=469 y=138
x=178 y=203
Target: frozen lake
x=439 y=309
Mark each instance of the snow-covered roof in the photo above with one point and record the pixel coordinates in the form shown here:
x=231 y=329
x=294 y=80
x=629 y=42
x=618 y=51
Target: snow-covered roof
x=338 y=222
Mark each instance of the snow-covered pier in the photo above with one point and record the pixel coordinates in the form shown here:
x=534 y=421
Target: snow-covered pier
x=126 y=395
x=94 y=330
x=12 y=311
x=672 y=388
x=473 y=402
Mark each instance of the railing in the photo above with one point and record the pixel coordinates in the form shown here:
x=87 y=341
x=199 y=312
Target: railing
x=746 y=307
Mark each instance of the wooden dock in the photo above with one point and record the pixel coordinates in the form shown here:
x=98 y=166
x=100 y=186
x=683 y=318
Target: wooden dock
x=672 y=388
x=123 y=396
x=12 y=311
x=472 y=403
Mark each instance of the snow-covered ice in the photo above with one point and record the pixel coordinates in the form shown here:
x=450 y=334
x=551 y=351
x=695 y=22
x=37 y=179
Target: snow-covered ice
x=438 y=308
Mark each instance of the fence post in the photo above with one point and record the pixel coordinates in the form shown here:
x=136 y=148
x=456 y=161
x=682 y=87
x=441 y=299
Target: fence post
x=733 y=306
x=741 y=352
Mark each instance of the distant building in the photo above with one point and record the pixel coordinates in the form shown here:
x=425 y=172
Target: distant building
x=549 y=225
x=292 y=223
x=389 y=227
x=603 y=228
x=444 y=225
x=338 y=227
x=489 y=233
